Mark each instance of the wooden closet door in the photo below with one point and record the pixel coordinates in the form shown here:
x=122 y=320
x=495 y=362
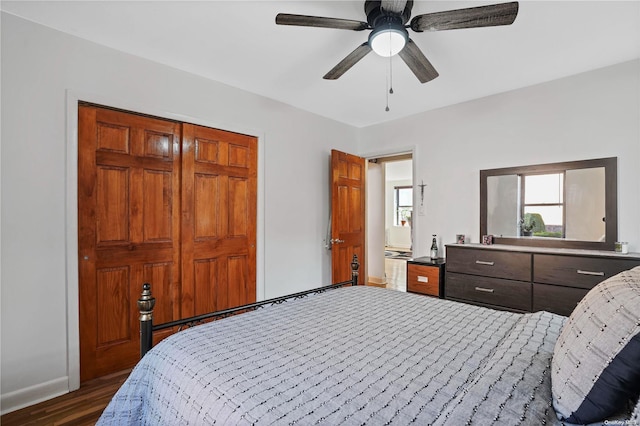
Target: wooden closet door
x=219 y=205
x=129 y=232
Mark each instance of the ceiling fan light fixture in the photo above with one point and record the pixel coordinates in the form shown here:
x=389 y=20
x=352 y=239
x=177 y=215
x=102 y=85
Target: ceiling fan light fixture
x=388 y=40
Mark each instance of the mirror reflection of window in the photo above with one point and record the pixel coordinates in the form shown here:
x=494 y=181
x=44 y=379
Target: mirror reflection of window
x=585 y=193
x=542 y=213
x=502 y=205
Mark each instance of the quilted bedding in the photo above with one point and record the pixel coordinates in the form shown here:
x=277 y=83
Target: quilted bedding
x=353 y=356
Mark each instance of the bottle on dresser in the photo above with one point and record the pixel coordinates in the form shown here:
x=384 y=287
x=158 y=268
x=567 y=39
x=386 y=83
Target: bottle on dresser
x=434 y=248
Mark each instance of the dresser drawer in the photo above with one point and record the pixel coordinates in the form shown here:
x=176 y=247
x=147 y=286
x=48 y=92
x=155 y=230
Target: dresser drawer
x=489 y=263
x=423 y=279
x=498 y=292
x=557 y=299
x=576 y=271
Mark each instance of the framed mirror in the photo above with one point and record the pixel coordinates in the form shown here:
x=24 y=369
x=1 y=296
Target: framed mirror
x=566 y=205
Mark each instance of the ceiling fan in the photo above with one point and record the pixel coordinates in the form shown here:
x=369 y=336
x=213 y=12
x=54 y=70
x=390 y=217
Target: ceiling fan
x=389 y=36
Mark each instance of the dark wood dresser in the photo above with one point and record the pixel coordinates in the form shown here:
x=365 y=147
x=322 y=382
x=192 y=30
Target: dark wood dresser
x=528 y=279
x=426 y=276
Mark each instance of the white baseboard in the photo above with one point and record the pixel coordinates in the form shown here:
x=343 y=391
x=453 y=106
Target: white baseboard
x=31 y=395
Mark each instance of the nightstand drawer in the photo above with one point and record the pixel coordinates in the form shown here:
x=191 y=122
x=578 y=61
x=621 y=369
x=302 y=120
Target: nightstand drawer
x=492 y=291
x=489 y=263
x=423 y=279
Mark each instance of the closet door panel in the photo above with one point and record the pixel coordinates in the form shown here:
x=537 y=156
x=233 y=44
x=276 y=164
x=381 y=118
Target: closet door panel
x=129 y=233
x=219 y=207
x=206 y=207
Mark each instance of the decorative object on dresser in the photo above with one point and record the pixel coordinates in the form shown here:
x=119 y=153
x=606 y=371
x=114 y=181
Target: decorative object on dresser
x=426 y=276
x=528 y=279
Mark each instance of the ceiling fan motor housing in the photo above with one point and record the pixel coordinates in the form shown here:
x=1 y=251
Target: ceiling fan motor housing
x=377 y=16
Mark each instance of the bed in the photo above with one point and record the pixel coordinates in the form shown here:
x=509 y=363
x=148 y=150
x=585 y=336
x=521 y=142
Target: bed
x=364 y=356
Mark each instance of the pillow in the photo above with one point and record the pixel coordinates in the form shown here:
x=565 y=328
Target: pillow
x=596 y=359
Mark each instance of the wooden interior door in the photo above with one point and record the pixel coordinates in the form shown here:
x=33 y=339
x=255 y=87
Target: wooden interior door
x=219 y=207
x=347 y=214
x=129 y=232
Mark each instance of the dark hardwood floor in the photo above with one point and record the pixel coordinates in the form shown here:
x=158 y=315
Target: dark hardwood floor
x=81 y=407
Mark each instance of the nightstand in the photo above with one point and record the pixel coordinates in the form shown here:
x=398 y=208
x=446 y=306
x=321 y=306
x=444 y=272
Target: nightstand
x=426 y=276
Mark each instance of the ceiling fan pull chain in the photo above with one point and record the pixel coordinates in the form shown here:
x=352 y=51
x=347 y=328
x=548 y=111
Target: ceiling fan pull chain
x=387 y=94
x=390 y=77
x=387 y=90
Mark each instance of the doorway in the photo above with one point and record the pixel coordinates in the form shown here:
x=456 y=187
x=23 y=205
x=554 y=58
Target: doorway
x=390 y=199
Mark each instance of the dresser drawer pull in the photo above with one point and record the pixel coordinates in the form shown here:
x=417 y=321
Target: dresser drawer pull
x=597 y=274
x=422 y=279
x=484 y=262
x=486 y=290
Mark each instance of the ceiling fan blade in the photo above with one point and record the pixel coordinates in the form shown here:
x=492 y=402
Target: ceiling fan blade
x=417 y=62
x=350 y=60
x=395 y=6
x=482 y=16
x=317 y=21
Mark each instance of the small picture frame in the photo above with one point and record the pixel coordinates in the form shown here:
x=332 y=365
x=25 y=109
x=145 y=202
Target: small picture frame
x=460 y=238
x=487 y=240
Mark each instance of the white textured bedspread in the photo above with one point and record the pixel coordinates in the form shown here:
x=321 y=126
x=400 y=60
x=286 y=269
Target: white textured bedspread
x=353 y=356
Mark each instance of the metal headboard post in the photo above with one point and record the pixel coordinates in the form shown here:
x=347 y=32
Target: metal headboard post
x=145 y=306
x=355 y=265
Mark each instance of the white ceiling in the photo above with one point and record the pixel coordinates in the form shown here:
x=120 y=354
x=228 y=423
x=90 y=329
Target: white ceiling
x=398 y=170
x=238 y=43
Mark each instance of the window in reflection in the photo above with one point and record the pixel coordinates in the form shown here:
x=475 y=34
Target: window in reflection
x=542 y=212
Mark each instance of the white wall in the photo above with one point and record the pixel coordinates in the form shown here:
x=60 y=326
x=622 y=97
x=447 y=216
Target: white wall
x=590 y=115
x=375 y=224
x=399 y=237
x=41 y=71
